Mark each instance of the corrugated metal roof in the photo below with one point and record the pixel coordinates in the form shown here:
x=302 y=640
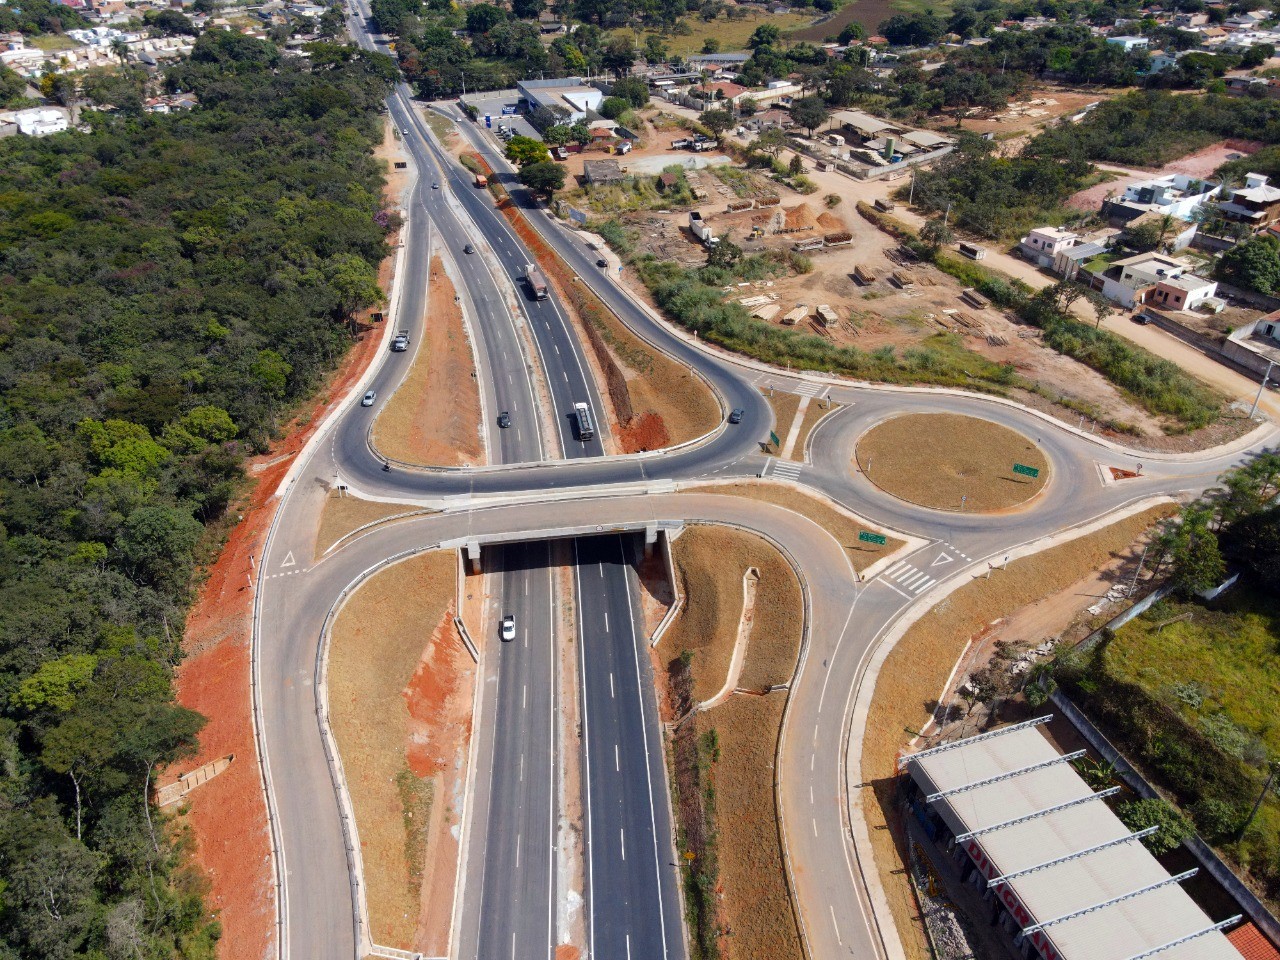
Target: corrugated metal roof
x=1065 y=888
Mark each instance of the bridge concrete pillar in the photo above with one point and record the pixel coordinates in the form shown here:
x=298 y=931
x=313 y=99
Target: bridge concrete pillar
x=473 y=556
x=650 y=538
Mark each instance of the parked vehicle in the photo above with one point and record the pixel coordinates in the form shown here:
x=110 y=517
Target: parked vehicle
x=682 y=144
x=1141 y=319
x=972 y=251
x=582 y=419
x=367 y=400
x=536 y=281
x=884 y=205
x=401 y=343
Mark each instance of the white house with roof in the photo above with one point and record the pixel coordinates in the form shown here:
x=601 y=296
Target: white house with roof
x=40 y=121
x=1042 y=245
x=1152 y=278
x=1175 y=194
x=1130 y=43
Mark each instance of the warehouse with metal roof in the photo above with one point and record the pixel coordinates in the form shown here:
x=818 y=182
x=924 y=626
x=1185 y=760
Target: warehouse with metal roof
x=1061 y=873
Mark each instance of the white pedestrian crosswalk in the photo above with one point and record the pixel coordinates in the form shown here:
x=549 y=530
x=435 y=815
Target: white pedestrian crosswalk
x=807 y=388
x=786 y=469
x=903 y=576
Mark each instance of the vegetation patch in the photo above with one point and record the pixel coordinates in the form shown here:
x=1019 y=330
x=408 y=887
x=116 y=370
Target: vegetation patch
x=951 y=462
x=723 y=760
x=174 y=286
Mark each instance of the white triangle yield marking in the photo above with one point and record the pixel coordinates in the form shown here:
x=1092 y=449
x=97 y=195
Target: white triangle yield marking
x=942 y=558
x=288 y=560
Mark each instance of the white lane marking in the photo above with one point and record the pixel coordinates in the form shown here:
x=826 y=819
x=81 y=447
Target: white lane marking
x=611 y=690
x=814 y=821
x=811 y=794
x=586 y=755
x=518 y=838
x=839 y=940
x=628 y=946
x=895 y=568
x=941 y=559
x=924 y=586
x=522 y=768
x=622 y=836
x=524 y=696
x=606 y=621
x=893 y=588
x=617 y=763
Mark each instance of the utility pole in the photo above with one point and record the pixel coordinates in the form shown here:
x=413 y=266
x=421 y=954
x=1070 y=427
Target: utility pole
x=1275 y=768
x=911 y=195
x=947 y=216
x=1262 y=386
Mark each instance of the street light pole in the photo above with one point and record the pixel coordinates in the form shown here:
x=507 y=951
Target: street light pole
x=1262 y=386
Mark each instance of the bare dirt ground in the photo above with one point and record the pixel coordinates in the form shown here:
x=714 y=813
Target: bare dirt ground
x=841 y=525
x=343 y=514
x=755 y=911
x=401 y=714
x=433 y=418
x=1030 y=113
x=1202 y=163
x=227 y=816
x=913 y=677
x=945 y=460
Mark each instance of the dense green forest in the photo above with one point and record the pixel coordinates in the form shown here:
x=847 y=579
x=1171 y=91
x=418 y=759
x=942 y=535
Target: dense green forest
x=169 y=286
x=34 y=17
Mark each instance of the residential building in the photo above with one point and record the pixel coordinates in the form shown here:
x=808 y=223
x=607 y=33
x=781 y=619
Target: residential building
x=570 y=98
x=602 y=172
x=1043 y=244
x=1257 y=203
x=1154 y=278
x=1130 y=44
x=1175 y=194
x=40 y=121
x=1253 y=87
x=1175 y=233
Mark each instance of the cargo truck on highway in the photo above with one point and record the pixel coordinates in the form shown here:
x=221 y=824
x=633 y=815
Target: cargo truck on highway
x=481 y=180
x=536 y=281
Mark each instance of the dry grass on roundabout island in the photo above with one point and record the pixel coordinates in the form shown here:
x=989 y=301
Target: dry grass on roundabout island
x=944 y=460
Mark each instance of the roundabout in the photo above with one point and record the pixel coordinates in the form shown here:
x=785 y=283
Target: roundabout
x=948 y=461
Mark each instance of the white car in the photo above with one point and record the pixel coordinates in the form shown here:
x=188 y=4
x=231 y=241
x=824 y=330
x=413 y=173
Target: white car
x=508 y=627
x=367 y=400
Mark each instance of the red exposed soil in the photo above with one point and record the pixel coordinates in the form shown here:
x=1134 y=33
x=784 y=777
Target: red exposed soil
x=567 y=951
x=436 y=725
x=228 y=814
x=1119 y=473
x=647 y=432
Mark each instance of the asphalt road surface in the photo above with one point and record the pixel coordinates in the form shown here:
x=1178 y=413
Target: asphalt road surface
x=632 y=900
x=320 y=903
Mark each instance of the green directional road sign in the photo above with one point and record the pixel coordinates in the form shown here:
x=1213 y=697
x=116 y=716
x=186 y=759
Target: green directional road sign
x=1026 y=471
x=867 y=537
x=773 y=438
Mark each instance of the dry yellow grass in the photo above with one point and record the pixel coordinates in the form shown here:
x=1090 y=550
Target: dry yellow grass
x=784 y=413
x=815 y=412
x=936 y=459
x=844 y=528
x=377 y=643
x=433 y=418
x=344 y=515
x=915 y=672
x=710 y=562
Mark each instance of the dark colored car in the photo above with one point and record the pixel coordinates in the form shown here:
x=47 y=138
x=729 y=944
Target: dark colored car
x=1140 y=318
x=504 y=419
x=602 y=262
x=736 y=416
x=468 y=249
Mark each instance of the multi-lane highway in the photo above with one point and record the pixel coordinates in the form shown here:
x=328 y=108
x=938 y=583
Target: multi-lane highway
x=633 y=904
x=631 y=899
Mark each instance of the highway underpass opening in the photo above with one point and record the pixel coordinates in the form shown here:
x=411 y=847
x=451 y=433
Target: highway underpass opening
x=952 y=462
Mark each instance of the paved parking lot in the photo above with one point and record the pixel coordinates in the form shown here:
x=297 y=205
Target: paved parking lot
x=493 y=103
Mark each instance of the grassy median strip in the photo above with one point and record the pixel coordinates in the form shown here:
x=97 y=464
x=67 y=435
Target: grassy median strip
x=343 y=514
x=915 y=672
x=723 y=759
x=433 y=418
x=400 y=708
